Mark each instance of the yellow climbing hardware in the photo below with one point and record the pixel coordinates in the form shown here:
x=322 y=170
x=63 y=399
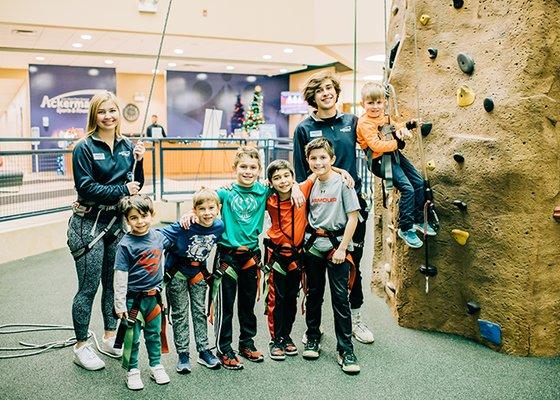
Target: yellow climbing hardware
x=431 y=165
x=465 y=96
x=460 y=236
x=424 y=19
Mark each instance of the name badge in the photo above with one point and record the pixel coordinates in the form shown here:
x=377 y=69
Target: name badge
x=316 y=134
x=98 y=156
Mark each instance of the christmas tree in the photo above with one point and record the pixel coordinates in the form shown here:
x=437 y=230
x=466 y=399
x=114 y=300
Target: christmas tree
x=254 y=116
x=237 y=118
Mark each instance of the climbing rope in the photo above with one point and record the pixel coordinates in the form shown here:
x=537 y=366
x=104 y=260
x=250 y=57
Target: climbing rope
x=31 y=349
x=154 y=73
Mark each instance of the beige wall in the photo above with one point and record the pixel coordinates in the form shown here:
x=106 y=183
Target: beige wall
x=130 y=84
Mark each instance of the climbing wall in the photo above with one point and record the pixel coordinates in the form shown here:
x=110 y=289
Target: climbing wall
x=488 y=78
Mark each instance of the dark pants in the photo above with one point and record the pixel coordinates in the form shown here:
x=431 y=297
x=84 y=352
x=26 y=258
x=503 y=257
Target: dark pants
x=357 y=294
x=315 y=269
x=281 y=303
x=247 y=285
x=410 y=183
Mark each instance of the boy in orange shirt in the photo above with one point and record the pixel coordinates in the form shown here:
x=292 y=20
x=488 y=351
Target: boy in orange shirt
x=406 y=177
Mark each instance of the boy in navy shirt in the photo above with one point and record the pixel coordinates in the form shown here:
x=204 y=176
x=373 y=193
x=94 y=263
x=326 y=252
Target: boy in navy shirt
x=185 y=276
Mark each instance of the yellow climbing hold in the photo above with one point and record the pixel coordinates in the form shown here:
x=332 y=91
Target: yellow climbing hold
x=424 y=19
x=460 y=236
x=465 y=96
x=431 y=165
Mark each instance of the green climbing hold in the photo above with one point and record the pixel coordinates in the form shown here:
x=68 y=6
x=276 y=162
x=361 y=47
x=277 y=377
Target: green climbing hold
x=459 y=158
x=432 y=51
x=466 y=63
x=458 y=3
x=426 y=128
x=488 y=104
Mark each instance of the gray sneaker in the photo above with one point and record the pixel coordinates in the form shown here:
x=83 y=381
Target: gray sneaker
x=348 y=362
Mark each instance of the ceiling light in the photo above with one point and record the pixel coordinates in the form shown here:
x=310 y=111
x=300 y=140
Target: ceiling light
x=178 y=51
x=283 y=70
x=287 y=50
x=267 y=57
x=109 y=62
x=373 y=77
x=202 y=76
x=230 y=67
x=24 y=32
x=86 y=36
x=77 y=45
x=40 y=58
x=93 y=72
x=33 y=69
x=171 y=64
x=251 y=78
x=376 y=58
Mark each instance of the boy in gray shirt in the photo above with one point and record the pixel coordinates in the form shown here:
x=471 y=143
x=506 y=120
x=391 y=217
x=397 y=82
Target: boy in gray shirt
x=333 y=217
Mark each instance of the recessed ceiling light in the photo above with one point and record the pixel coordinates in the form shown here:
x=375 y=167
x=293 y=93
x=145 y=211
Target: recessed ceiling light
x=77 y=45
x=86 y=36
x=251 y=78
x=178 y=51
x=171 y=64
x=373 y=78
x=202 y=76
x=230 y=67
x=283 y=70
x=33 y=69
x=267 y=57
x=109 y=62
x=288 y=50
x=376 y=58
x=40 y=58
x=93 y=72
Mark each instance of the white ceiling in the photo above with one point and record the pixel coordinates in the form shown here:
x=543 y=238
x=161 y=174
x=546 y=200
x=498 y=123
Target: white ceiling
x=206 y=48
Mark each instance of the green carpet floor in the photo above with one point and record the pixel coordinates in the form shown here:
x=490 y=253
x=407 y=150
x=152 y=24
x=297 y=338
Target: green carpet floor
x=401 y=364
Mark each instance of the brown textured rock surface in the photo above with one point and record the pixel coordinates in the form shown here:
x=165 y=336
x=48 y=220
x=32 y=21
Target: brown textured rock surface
x=510 y=179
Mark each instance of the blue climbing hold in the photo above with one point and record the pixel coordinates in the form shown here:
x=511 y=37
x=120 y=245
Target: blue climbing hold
x=466 y=63
x=490 y=331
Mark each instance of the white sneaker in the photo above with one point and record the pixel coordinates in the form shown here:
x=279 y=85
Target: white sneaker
x=159 y=375
x=108 y=347
x=360 y=330
x=86 y=358
x=134 y=380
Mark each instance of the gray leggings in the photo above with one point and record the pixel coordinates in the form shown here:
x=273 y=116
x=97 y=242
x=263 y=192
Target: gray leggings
x=95 y=266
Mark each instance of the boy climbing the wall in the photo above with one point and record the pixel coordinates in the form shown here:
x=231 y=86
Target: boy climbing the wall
x=405 y=176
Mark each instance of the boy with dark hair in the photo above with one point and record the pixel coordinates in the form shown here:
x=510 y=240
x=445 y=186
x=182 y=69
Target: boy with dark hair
x=186 y=274
x=138 y=282
x=333 y=217
x=321 y=92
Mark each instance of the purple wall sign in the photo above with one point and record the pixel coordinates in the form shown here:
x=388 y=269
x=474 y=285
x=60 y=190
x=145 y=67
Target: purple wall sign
x=59 y=97
x=189 y=94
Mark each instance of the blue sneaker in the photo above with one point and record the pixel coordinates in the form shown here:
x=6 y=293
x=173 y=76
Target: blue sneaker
x=184 y=363
x=410 y=238
x=420 y=229
x=208 y=359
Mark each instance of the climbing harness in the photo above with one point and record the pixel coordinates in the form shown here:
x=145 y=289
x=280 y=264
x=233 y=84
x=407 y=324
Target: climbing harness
x=125 y=332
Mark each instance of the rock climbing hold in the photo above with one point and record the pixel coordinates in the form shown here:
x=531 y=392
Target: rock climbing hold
x=432 y=51
x=460 y=236
x=473 y=307
x=424 y=19
x=431 y=165
x=488 y=104
x=395 y=10
x=459 y=158
x=556 y=213
x=429 y=270
x=458 y=3
x=466 y=63
x=393 y=53
x=490 y=331
x=391 y=287
x=426 y=128
x=465 y=96
x=461 y=205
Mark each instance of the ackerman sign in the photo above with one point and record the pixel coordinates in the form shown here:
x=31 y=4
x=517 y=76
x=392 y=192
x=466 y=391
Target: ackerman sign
x=69 y=102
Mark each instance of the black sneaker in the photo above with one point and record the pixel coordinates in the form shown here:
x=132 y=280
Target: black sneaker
x=311 y=349
x=290 y=347
x=277 y=351
x=349 y=362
